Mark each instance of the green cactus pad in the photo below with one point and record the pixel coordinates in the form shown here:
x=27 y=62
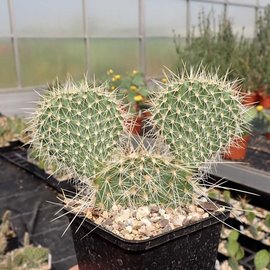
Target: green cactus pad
x=77 y=128
x=141 y=179
x=198 y=116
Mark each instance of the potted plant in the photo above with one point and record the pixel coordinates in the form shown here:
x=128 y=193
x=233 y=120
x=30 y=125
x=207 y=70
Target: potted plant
x=11 y=129
x=132 y=91
x=261 y=124
x=27 y=257
x=141 y=205
x=238 y=148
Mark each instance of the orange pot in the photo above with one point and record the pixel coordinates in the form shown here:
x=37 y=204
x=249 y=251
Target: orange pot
x=265 y=101
x=135 y=125
x=250 y=99
x=238 y=152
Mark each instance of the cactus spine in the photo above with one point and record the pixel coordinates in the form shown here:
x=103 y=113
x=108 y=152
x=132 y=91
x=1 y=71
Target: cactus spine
x=199 y=116
x=82 y=130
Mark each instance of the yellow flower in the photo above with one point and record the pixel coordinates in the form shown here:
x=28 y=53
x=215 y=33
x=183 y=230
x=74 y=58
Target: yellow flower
x=133 y=88
x=117 y=77
x=259 y=108
x=109 y=72
x=113 y=79
x=138 y=98
x=134 y=72
x=113 y=87
x=164 y=80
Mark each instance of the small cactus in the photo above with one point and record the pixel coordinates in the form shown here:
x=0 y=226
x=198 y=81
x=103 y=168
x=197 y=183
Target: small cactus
x=5 y=231
x=26 y=257
x=82 y=130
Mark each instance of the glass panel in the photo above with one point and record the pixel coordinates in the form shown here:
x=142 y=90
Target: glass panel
x=264 y=2
x=42 y=60
x=160 y=52
x=249 y=2
x=121 y=55
x=162 y=17
x=4 y=18
x=113 y=18
x=240 y=23
x=50 y=17
x=214 y=11
x=7 y=64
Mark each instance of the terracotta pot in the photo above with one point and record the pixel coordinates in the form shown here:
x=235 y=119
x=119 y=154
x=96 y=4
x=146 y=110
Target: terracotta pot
x=265 y=101
x=136 y=125
x=250 y=99
x=238 y=152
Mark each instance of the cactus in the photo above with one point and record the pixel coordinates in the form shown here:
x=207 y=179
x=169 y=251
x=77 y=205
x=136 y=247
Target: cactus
x=141 y=179
x=82 y=130
x=5 y=231
x=198 y=116
x=26 y=257
x=77 y=128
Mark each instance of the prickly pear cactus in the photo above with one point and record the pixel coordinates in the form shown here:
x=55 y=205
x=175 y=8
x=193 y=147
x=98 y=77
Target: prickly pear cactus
x=198 y=115
x=141 y=179
x=77 y=128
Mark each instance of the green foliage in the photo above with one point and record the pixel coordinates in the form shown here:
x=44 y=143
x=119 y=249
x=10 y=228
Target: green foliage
x=11 y=128
x=227 y=196
x=267 y=220
x=235 y=251
x=131 y=88
x=261 y=259
x=261 y=49
x=261 y=123
x=250 y=215
x=25 y=258
x=219 y=48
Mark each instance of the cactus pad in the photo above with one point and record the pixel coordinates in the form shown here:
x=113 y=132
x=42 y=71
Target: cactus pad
x=77 y=128
x=198 y=116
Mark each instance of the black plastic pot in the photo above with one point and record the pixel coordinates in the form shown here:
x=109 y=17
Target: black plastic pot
x=193 y=247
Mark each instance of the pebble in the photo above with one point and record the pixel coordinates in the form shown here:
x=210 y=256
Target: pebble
x=178 y=220
x=142 y=212
x=148 y=221
x=163 y=222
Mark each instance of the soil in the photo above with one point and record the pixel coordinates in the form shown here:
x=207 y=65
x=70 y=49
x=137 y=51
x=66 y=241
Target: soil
x=28 y=200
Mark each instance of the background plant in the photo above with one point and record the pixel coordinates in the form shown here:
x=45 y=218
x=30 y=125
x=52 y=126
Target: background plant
x=219 y=48
x=262 y=260
x=131 y=88
x=27 y=257
x=234 y=249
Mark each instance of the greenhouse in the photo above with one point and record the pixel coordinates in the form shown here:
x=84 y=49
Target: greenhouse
x=135 y=134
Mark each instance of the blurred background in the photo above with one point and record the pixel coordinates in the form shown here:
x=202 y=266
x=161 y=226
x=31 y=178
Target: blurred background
x=41 y=40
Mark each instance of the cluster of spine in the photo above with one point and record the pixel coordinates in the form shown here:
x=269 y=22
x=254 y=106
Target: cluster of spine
x=141 y=178
x=77 y=128
x=82 y=130
x=199 y=116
